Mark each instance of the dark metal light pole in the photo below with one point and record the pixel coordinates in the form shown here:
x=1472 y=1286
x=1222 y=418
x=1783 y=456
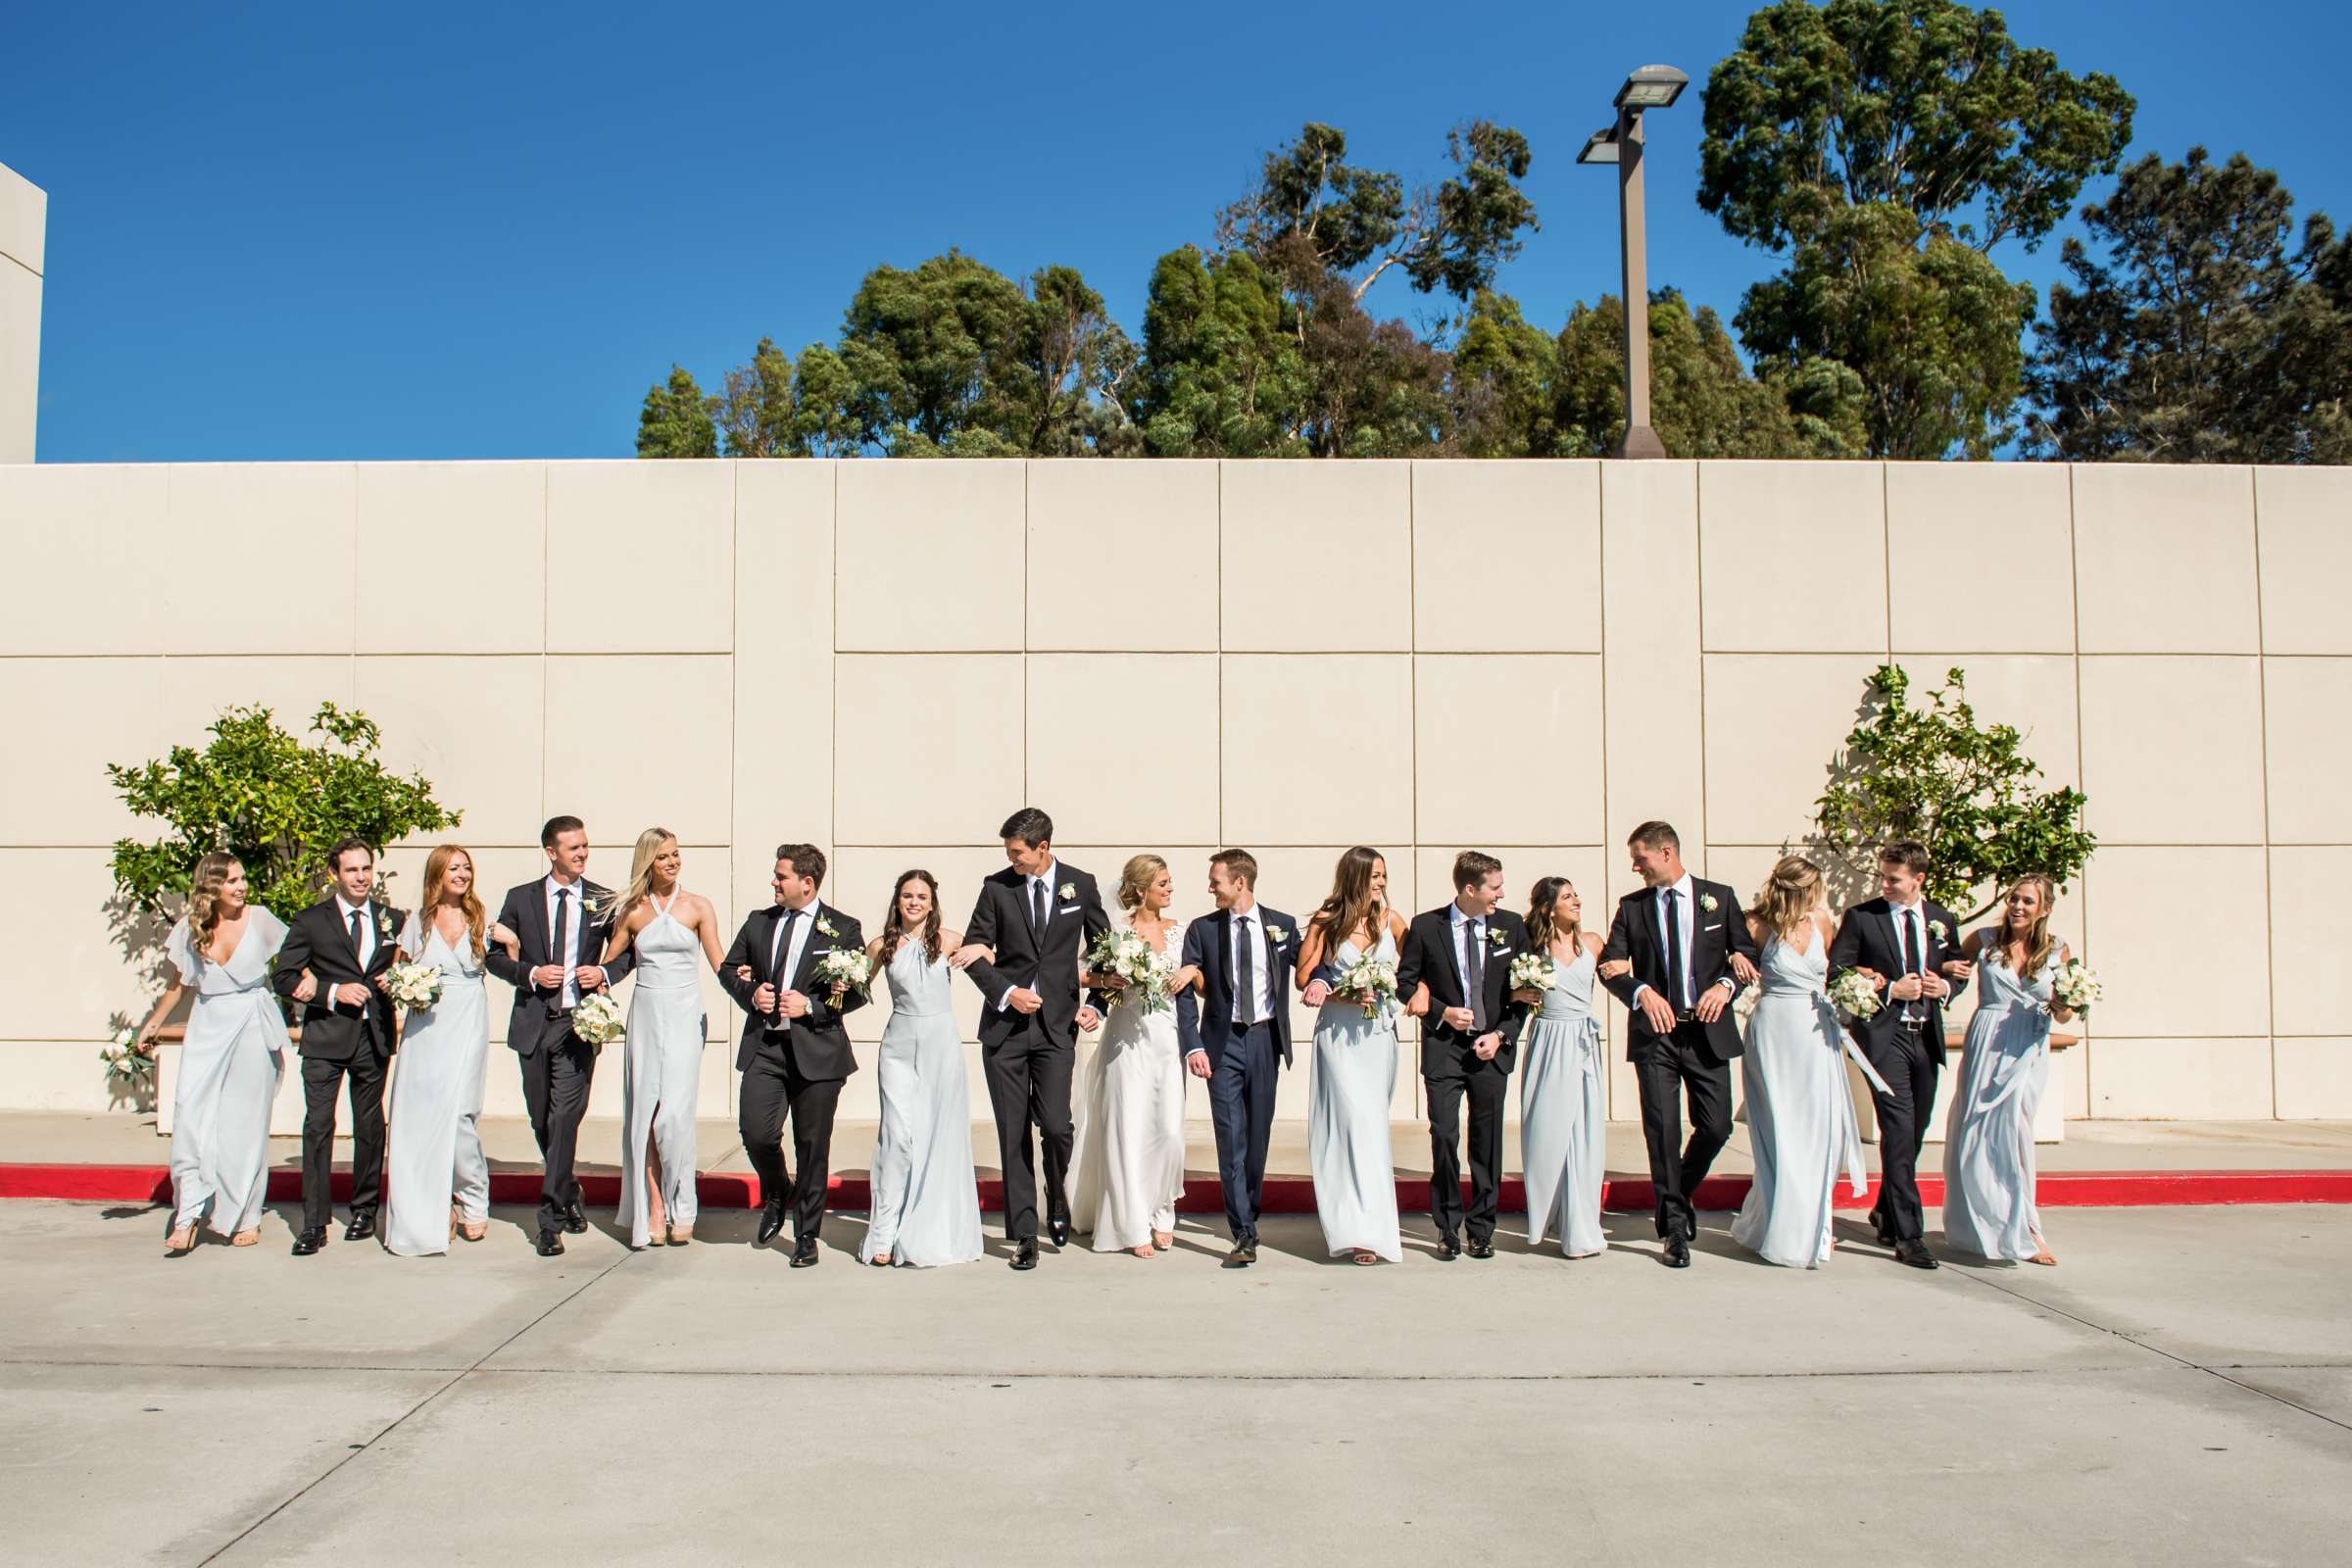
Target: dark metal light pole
x=1648 y=88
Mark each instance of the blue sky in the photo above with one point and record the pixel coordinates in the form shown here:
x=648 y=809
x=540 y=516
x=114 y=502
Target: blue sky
x=361 y=231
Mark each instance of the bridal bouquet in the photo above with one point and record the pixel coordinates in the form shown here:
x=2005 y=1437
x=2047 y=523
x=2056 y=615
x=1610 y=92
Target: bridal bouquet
x=1370 y=980
x=846 y=969
x=414 y=985
x=127 y=1067
x=1532 y=971
x=1126 y=954
x=598 y=1020
x=2076 y=986
x=1852 y=995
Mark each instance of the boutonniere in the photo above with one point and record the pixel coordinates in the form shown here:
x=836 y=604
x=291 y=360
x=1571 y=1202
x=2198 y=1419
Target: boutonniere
x=1277 y=935
x=1498 y=937
x=1069 y=890
x=592 y=905
x=825 y=927
x=1943 y=932
x=1709 y=902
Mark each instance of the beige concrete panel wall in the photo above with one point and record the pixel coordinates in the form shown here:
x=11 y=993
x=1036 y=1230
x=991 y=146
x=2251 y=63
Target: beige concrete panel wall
x=1316 y=562
x=1773 y=724
x=1115 y=566
x=69 y=717
x=1508 y=747
x=2314 y=1078
x=453 y=557
x=784 y=726
x=2311 y=978
x=1506 y=557
x=65 y=972
x=930 y=557
x=929 y=748
x=1123 y=743
x=1980 y=557
x=2172 y=750
x=2309 y=753
x=1654 y=742
x=19 y=361
x=2223 y=1080
x=2304 y=523
x=638 y=740
x=640 y=557
x=474 y=724
x=2164 y=560
x=2162 y=973
x=90 y=533
x=1792 y=557
x=1317 y=749
x=268 y=548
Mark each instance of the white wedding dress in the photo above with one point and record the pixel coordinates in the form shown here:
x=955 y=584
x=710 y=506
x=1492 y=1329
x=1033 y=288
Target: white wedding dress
x=1130 y=1127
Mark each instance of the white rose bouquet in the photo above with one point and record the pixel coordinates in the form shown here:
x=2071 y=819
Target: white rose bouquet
x=414 y=985
x=1852 y=995
x=1532 y=971
x=846 y=969
x=127 y=1065
x=1128 y=956
x=2076 y=986
x=1370 y=980
x=598 y=1020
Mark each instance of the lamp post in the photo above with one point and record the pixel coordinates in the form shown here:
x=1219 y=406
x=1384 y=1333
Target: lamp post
x=1647 y=87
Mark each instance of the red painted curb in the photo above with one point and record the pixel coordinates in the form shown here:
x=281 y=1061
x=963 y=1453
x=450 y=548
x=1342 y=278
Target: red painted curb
x=1285 y=1194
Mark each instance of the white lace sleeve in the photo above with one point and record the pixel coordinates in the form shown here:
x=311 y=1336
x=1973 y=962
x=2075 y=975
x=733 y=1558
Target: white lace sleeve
x=180 y=948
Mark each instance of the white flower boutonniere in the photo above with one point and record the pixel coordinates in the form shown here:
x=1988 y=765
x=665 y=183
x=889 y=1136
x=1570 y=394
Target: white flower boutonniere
x=1277 y=935
x=1497 y=937
x=1069 y=890
x=1943 y=932
x=1709 y=902
x=825 y=927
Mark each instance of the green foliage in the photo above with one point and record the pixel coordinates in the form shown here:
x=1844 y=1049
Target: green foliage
x=1968 y=792
x=1921 y=104
x=1220 y=378
x=1932 y=330
x=271 y=800
x=675 y=422
x=2201 y=336
x=754 y=409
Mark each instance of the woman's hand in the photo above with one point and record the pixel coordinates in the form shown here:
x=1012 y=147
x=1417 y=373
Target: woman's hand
x=1878 y=981
x=1615 y=969
x=1187 y=978
x=1317 y=993
x=1743 y=971
x=1527 y=996
x=505 y=938
x=969 y=954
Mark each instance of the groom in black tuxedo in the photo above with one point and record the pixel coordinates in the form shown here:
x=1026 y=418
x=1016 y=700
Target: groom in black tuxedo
x=1681 y=934
x=795 y=1054
x=561 y=920
x=1469 y=1038
x=332 y=963
x=1236 y=1031
x=1912 y=944
x=1039 y=916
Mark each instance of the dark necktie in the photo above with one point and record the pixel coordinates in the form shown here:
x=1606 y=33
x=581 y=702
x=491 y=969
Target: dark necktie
x=358 y=939
x=1909 y=927
x=1674 y=952
x=782 y=980
x=1245 y=995
x=1474 y=976
x=1037 y=908
x=561 y=953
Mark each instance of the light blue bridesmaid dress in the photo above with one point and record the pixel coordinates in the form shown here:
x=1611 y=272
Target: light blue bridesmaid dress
x=1988 y=1137
x=926 y=1202
x=1563 y=1114
x=661 y=1071
x=1347 y=1121
x=230 y=1064
x=1800 y=1110
x=433 y=1152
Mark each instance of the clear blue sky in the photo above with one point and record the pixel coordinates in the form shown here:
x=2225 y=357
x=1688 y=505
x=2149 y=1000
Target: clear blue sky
x=352 y=230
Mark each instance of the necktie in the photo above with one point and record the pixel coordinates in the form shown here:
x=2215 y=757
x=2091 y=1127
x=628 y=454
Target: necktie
x=1244 y=994
x=1909 y=927
x=359 y=938
x=1036 y=907
x=1474 y=976
x=1674 y=950
x=560 y=951
x=782 y=980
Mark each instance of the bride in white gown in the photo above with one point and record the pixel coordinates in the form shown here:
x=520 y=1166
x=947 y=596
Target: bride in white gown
x=1130 y=1105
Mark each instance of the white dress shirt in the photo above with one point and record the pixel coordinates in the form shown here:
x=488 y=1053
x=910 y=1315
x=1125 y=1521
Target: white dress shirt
x=784 y=965
x=1250 y=926
x=575 y=920
x=1686 y=919
x=1910 y=937
x=343 y=912
x=1453 y=939
x=1029 y=887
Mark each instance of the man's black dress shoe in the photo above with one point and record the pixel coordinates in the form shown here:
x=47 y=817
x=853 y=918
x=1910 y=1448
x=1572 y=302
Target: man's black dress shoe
x=1481 y=1247
x=1449 y=1248
x=1059 y=1230
x=1024 y=1253
x=575 y=1219
x=804 y=1253
x=1678 y=1250
x=1244 y=1254
x=362 y=1227
x=550 y=1244
x=310 y=1241
x=771 y=1222
x=1914 y=1252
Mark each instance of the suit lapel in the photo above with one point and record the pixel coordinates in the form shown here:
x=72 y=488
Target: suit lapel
x=1220 y=962
x=1657 y=933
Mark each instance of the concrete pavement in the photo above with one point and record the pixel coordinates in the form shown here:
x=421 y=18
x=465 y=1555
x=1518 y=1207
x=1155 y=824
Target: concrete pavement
x=2179 y=1390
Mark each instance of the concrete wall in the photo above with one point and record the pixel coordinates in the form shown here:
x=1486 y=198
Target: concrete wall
x=1528 y=656
x=24 y=219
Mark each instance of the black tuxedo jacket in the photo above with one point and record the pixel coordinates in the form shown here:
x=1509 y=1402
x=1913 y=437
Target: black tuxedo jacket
x=1048 y=961
x=319 y=941
x=817 y=1041
x=1715 y=935
x=1866 y=940
x=1204 y=1019
x=1428 y=956
x=538 y=1015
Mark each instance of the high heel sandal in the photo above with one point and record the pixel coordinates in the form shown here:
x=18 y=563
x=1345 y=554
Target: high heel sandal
x=182 y=1242
x=1161 y=1241
x=245 y=1239
x=680 y=1235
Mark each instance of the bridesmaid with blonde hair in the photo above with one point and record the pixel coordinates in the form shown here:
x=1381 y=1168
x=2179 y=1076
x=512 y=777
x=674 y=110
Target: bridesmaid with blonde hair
x=231 y=1059
x=661 y=1061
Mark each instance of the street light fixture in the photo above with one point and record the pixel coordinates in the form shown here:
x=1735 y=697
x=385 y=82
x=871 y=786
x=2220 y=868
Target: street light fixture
x=1647 y=87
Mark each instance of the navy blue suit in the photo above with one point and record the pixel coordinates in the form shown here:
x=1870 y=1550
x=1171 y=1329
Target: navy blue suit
x=1245 y=1063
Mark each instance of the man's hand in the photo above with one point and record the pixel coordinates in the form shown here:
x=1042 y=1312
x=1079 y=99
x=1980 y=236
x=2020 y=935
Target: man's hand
x=793 y=1005
x=352 y=995
x=1710 y=1006
x=764 y=999
x=969 y=954
x=591 y=976
x=1935 y=986
x=548 y=977
x=1457 y=1018
x=307 y=986
x=1906 y=989
x=1197 y=1064
x=1317 y=993
x=1486 y=1045
x=1660 y=1016
x=1089 y=1019
x=1024 y=1001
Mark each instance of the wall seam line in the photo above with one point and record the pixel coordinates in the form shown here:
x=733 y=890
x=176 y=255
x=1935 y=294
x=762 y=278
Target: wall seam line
x=2262 y=701
x=2073 y=580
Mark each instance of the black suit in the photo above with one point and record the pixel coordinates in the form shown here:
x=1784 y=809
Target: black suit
x=1243 y=1073
x=1450 y=1067
x=1909 y=1058
x=558 y=1066
x=797 y=1064
x=1028 y=1056
x=339 y=1041
x=1696 y=1055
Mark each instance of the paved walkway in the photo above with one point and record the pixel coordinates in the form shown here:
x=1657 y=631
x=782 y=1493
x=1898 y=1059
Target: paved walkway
x=2180 y=1391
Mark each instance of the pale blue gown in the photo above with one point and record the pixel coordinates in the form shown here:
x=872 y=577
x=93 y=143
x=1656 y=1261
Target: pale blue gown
x=1800 y=1110
x=661 y=1071
x=1347 y=1121
x=230 y=1064
x=1563 y=1114
x=1129 y=1160
x=1988 y=1169
x=926 y=1202
x=433 y=1147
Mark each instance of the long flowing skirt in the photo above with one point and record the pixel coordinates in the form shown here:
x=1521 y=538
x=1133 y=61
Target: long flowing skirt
x=1130 y=1133
x=433 y=1146
x=926 y=1201
x=1989 y=1169
x=1563 y=1126
x=1802 y=1127
x=1347 y=1131
x=660 y=1079
x=228 y=1070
